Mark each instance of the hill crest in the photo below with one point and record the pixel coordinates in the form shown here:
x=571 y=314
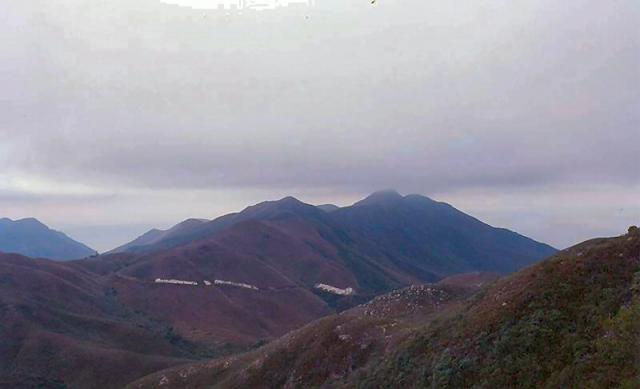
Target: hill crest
x=32 y=238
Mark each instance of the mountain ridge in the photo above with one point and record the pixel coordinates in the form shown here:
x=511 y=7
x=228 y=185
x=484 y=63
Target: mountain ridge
x=31 y=237
x=226 y=285
x=266 y=209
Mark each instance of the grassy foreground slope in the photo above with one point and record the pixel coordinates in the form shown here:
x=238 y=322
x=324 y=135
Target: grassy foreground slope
x=570 y=321
x=61 y=327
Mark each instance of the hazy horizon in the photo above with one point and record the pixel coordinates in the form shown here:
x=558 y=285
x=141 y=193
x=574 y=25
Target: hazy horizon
x=122 y=116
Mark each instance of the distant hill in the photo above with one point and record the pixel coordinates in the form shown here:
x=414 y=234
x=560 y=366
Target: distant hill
x=570 y=321
x=31 y=238
x=432 y=239
x=328 y=207
x=154 y=236
x=391 y=238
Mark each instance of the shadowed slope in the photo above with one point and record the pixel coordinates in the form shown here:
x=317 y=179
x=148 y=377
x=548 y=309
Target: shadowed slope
x=432 y=239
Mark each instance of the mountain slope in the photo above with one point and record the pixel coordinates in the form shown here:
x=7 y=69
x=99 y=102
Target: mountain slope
x=81 y=324
x=211 y=288
x=300 y=263
x=192 y=230
x=570 y=321
x=298 y=241
x=385 y=239
x=31 y=238
x=328 y=207
x=432 y=239
x=62 y=326
x=413 y=232
x=283 y=259
x=154 y=236
x=329 y=347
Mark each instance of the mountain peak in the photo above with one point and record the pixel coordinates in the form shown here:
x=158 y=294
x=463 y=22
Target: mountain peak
x=283 y=203
x=382 y=196
x=32 y=238
x=270 y=208
x=327 y=207
x=31 y=222
x=289 y=200
x=191 y=222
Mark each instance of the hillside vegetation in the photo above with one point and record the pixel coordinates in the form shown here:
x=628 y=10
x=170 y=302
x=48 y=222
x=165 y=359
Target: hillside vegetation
x=570 y=321
x=206 y=289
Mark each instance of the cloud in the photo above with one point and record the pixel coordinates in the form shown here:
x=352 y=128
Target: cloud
x=128 y=98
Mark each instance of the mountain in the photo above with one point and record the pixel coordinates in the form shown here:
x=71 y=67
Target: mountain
x=278 y=248
x=433 y=239
x=387 y=196
x=31 y=238
x=155 y=235
x=299 y=263
x=387 y=233
x=188 y=231
x=328 y=207
x=383 y=242
x=210 y=288
x=61 y=325
x=82 y=324
x=295 y=253
x=569 y=321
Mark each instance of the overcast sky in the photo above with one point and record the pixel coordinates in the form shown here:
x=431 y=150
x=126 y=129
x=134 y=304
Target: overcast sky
x=118 y=116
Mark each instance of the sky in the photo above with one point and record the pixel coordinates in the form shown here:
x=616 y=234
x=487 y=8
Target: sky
x=119 y=116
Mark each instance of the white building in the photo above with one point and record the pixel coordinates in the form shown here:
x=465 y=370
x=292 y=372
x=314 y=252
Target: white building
x=335 y=290
x=175 y=282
